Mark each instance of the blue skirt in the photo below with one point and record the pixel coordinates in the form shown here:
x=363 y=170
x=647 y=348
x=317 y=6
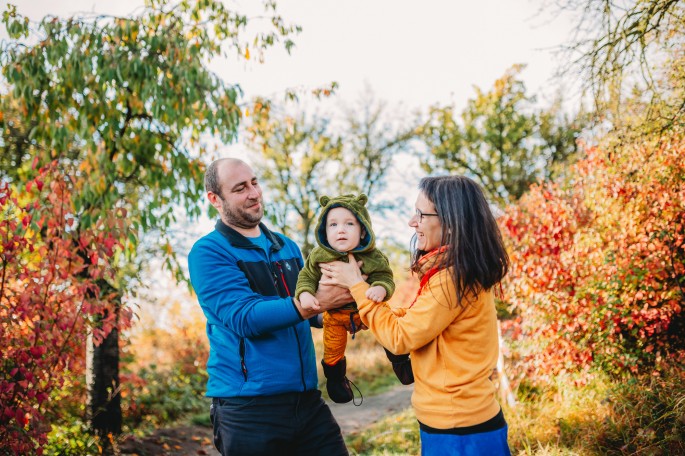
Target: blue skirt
x=492 y=443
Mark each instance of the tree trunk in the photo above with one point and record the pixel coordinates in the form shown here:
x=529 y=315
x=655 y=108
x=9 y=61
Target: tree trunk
x=104 y=398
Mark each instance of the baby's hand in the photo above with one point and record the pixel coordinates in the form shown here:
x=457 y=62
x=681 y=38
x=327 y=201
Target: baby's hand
x=309 y=302
x=376 y=293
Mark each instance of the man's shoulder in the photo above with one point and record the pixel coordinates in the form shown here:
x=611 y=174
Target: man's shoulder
x=210 y=238
x=212 y=241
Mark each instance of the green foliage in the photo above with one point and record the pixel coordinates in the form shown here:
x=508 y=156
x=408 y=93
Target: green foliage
x=156 y=397
x=125 y=105
x=71 y=439
x=501 y=139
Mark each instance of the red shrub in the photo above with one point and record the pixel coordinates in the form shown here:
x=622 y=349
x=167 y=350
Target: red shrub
x=48 y=271
x=598 y=272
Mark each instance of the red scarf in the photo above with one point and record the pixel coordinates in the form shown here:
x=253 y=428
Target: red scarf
x=428 y=266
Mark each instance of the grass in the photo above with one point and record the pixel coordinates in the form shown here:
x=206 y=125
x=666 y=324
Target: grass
x=394 y=435
x=603 y=416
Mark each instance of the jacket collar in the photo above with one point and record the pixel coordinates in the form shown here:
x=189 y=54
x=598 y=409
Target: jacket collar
x=238 y=240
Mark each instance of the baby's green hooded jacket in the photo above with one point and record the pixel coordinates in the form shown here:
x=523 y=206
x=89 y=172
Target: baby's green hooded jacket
x=375 y=264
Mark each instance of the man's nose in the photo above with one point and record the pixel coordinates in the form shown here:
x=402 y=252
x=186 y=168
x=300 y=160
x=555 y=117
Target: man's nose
x=253 y=192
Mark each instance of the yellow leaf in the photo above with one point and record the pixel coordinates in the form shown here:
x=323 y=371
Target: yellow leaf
x=247 y=53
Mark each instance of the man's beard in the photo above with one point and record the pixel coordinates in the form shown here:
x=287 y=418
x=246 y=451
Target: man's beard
x=241 y=219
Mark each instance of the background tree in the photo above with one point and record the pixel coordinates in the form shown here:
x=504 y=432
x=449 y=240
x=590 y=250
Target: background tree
x=123 y=106
x=372 y=141
x=622 y=47
x=501 y=139
x=304 y=156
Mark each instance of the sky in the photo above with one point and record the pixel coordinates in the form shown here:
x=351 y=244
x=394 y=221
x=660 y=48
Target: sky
x=414 y=53
x=410 y=54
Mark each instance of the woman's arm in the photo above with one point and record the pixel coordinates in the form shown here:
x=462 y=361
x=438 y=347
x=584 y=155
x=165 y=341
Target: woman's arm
x=430 y=314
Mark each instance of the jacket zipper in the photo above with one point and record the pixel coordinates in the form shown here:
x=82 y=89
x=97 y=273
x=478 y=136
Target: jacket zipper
x=280 y=271
x=243 y=367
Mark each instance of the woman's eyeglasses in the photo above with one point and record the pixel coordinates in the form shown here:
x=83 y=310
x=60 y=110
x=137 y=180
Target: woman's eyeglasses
x=420 y=215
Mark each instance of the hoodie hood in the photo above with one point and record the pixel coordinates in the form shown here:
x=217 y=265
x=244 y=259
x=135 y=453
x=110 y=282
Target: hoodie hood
x=356 y=205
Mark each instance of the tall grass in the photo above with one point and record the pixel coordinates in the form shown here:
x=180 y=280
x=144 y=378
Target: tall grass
x=396 y=434
x=635 y=416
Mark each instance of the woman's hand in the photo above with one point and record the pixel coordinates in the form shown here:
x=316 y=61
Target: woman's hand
x=340 y=273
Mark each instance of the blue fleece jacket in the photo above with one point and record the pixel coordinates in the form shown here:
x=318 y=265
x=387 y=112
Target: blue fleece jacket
x=259 y=344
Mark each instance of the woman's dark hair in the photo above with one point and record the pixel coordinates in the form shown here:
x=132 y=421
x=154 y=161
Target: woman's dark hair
x=475 y=249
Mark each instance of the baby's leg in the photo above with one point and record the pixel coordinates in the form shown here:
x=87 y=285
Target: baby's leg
x=334 y=336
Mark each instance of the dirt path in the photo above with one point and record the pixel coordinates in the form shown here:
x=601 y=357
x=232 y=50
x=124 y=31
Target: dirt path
x=373 y=408
x=197 y=440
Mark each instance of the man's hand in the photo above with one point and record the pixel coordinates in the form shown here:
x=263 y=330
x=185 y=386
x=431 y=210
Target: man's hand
x=332 y=296
x=328 y=297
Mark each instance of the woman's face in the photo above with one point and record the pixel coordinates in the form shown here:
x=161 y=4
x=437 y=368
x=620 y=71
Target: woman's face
x=427 y=224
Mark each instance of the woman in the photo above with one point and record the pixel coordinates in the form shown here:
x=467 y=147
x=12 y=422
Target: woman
x=450 y=330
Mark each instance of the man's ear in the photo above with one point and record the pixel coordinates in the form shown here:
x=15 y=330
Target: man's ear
x=214 y=200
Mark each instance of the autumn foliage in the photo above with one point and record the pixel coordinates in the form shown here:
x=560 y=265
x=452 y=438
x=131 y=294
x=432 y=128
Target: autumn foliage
x=598 y=274
x=49 y=298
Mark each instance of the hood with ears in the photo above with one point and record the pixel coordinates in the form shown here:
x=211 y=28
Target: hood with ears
x=357 y=205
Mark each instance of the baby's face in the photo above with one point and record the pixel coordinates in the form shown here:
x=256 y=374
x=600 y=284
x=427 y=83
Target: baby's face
x=343 y=230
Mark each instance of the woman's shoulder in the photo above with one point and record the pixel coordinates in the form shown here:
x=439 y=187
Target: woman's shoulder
x=442 y=282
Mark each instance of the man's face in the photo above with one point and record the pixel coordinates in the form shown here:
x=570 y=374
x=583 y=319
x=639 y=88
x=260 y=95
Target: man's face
x=240 y=202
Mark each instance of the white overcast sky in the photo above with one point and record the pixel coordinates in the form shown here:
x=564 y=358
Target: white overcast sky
x=414 y=52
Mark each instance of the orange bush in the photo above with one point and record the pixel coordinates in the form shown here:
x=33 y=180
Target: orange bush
x=598 y=262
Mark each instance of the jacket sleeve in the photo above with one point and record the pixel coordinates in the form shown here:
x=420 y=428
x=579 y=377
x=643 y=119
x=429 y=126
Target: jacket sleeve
x=227 y=299
x=381 y=274
x=423 y=322
x=308 y=280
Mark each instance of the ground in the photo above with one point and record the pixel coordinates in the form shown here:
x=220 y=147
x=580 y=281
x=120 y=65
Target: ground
x=197 y=440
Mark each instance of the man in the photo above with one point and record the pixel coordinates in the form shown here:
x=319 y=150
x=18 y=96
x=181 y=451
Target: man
x=262 y=368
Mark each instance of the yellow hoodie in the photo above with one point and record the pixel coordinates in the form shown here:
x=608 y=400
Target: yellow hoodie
x=453 y=350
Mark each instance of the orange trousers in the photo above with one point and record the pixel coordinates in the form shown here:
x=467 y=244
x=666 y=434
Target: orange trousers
x=336 y=325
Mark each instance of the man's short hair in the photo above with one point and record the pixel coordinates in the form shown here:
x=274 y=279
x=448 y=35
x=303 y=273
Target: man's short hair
x=212 y=183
